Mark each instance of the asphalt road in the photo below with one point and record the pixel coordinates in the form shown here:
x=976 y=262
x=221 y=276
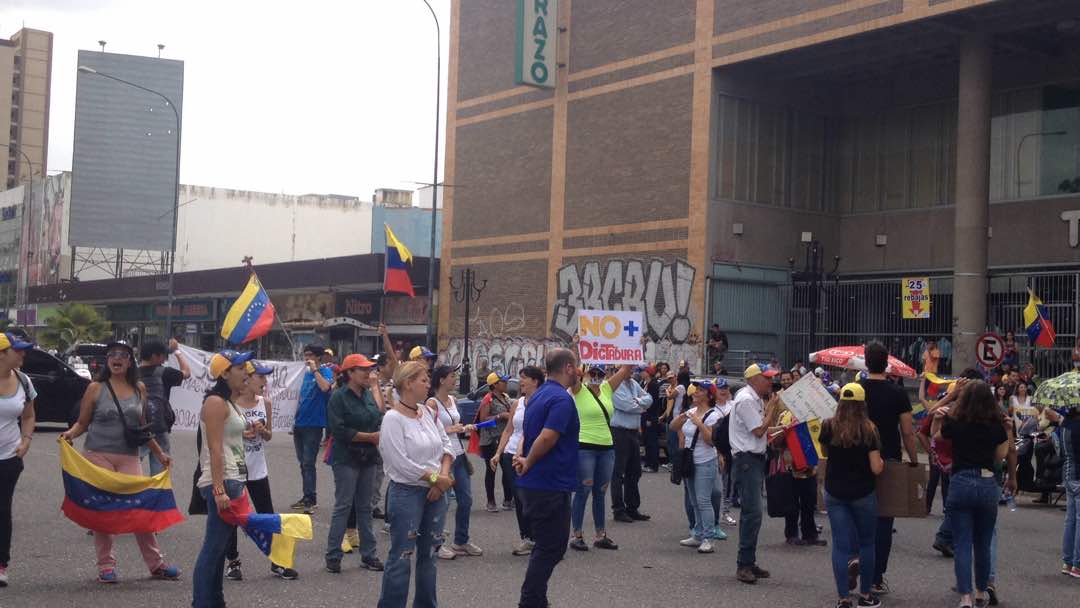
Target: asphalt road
x=53 y=560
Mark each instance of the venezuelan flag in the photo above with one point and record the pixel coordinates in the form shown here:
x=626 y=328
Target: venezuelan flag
x=274 y=533
x=802 y=440
x=396 y=278
x=251 y=316
x=115 y=503
x=1040 y=330
x=937 y=386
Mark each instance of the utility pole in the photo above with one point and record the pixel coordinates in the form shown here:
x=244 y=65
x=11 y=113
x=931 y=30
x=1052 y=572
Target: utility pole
x=467 y=291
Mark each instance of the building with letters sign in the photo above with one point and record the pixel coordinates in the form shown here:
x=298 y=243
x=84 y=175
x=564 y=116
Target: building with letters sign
x=684 y=151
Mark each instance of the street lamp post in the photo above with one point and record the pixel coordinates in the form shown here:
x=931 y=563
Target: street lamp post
x=467 y=291
x=176 y=184
x=28 y=214
x=434 y=183
x=1020 y=145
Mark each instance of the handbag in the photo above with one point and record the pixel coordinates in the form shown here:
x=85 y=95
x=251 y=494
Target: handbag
x=683 y=467
x=468 y=464
x=134 y=437
x=780 y=494
x=197 y=504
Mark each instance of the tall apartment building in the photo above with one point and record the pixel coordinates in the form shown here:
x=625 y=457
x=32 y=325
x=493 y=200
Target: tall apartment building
x=25 y=79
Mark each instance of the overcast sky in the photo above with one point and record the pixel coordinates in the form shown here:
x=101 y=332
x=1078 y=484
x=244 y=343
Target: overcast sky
x=325 y=96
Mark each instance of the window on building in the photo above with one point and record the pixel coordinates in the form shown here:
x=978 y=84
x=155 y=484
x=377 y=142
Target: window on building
x=1035 y=142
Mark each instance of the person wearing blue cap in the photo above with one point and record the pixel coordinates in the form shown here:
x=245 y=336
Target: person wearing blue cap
x=16 y=431
x=695 y=433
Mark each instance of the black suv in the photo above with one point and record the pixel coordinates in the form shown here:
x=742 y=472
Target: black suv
x=59 y=387
x=93 y=355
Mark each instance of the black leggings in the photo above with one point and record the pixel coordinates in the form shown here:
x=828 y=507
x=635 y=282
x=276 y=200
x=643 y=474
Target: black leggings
x=488 y=451
x=10 y=469
x=259 y=493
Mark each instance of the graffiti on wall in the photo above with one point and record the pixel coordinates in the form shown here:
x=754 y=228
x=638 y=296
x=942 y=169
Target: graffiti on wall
x=497 y=322
x=660 y=290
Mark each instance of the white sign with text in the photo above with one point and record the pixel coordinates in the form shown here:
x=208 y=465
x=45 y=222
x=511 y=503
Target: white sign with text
x=808 y=398
x=610 y=337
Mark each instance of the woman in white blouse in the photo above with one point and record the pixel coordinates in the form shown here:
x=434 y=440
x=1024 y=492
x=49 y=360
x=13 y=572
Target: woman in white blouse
x=417 y=457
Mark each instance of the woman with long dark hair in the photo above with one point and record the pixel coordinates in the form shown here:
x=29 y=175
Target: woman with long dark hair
x=980 y=442
x=850 y=441
x=529 y=379
x=441 y=403
x=694 y=427
x=224 y=470
x=118 y=392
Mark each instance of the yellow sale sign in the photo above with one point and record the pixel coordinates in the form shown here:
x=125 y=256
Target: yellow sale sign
x=915 y=297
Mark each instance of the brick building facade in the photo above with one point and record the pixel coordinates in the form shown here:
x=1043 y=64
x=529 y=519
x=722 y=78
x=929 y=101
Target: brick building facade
x=690 y=144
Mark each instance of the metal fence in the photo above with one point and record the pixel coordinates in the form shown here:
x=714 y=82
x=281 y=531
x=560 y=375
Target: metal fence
x=855 y=311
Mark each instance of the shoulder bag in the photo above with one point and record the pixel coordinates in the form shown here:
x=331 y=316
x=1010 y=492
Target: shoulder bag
x=133 y=436
x=683 y=467
x=197 y=504
x=468 y=465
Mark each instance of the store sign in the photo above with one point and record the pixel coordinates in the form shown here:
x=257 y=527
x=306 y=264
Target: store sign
x=537 y=32
x=186 y=311
x=1073 y=218
x=406 y=311
x=362 y=307
x=915 y=297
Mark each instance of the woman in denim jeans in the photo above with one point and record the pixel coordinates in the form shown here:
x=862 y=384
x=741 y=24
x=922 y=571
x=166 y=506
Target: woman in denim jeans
x=851 y=443
x=596 y=451
x=701 y=489
x=976 y=428
x=224 y=471
x=417 y=457
x=1070 y=544
x=443 y=380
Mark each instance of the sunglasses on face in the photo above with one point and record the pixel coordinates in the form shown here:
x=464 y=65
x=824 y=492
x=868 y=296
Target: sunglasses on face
x=119 y=354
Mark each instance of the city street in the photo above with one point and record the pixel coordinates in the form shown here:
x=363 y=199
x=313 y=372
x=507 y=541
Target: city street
x=53 y=560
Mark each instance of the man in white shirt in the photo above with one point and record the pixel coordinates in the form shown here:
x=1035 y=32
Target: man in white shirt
x=748 y=430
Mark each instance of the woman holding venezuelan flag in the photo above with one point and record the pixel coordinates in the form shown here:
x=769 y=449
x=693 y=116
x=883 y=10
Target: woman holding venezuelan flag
x=118 y=392
x=224 y=470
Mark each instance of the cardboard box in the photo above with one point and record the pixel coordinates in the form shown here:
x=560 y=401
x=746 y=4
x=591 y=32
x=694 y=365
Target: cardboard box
x=901 y=490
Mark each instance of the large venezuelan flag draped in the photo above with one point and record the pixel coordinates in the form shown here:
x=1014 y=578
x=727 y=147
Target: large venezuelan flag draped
x=1040 y=330
x=937 y=385
x=802 y=440
x=251 y=316
x=396 y=278
x=274 y=533
x=115 y=503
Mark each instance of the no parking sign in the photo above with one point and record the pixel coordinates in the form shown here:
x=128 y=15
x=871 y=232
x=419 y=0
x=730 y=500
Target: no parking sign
x=990 y=350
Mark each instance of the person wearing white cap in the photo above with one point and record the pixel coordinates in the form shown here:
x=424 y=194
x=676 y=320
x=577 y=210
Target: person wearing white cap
x=750 y=422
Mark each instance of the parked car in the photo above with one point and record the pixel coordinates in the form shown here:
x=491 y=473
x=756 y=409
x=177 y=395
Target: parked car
x=469 y=404
x=93 y=355
x=59 y=387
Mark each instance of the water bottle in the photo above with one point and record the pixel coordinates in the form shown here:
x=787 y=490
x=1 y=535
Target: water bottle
x=1010 y=502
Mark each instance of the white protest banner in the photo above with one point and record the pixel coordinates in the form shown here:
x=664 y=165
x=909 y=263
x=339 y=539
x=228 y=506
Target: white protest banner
x=282 y=388
x=808 y=399
x=610 y=337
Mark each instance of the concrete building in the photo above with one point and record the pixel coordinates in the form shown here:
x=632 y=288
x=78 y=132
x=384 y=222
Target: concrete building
x=25 y=80
x=693 y=153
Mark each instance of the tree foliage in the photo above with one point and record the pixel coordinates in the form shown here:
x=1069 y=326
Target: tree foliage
x=74 y=324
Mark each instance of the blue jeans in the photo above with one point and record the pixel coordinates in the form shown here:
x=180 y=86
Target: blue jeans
x=352 y=490
x=1070 y=544
x=703 y=489
x=208 y=577
x=972 y=508
x=144 y=452
x=306 y=439
x=852 y=521
x=416 y=528
x=594 y=474
x=463 y=496
x=749 y=471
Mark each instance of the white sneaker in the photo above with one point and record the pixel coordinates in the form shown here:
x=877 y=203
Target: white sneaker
x=706 y=546
x=690 y=542
x=726 y=519
x=525 y=547
x=446 y=553
x=468 y=549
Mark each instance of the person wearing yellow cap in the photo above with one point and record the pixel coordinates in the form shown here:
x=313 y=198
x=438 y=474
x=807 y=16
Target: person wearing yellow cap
x=423 y=355
x=850 y=441
x=16 y=430
x=495 y=405
x=118 y=392
x=750 y=421
x=222 y=469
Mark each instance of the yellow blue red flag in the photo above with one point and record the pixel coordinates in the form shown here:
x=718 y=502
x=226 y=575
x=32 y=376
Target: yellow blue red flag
x=802 y=440
x=275 y=534
x=1040 y=330
x=251 y=316
x=396 y=278
x=115 y=503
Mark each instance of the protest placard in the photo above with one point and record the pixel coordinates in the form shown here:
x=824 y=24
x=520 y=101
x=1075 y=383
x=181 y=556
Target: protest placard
x=808 y=399
x=610 y=337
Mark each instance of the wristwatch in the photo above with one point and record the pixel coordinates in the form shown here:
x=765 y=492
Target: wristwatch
x=433 y=479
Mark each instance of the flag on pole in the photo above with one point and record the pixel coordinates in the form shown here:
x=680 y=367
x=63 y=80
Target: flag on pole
x=396 y=278
x=251 y=316
x=115 y=503
x=1040 y=330
x=802 y=440
x=275 y=534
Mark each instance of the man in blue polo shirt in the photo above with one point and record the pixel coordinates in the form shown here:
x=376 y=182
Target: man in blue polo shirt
x=310 y=421
x=547 y=472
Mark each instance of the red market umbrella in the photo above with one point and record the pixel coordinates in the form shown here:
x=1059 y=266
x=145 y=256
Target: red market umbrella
x=852 y=357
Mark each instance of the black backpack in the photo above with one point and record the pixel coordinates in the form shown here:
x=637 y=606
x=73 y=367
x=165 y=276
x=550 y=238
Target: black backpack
x=159 y=412
x=720 y=436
